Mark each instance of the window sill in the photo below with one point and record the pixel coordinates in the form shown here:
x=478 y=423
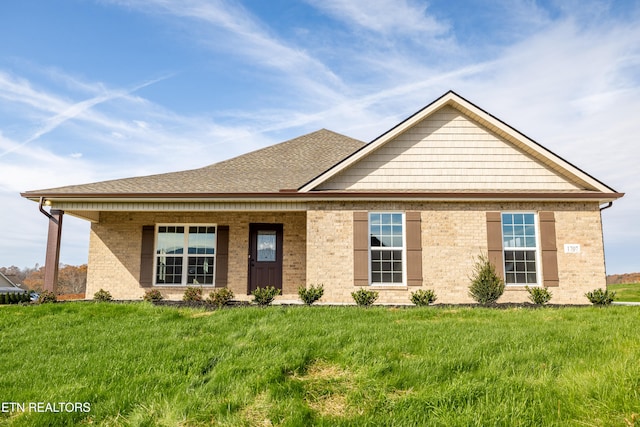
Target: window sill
x=520 y=287
x=172 y=286
x=389 y=287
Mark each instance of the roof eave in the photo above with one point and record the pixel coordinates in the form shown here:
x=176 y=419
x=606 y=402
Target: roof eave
x=284 y=196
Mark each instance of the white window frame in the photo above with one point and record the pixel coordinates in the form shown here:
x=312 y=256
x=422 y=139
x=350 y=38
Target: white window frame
x=536 y=250
x=403 y=249
x=185 y=255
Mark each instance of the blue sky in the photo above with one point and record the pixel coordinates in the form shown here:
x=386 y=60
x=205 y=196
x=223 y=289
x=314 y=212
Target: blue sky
x=96 y=90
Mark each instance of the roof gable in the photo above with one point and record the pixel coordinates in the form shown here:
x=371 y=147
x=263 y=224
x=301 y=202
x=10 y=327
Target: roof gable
x=452 y=144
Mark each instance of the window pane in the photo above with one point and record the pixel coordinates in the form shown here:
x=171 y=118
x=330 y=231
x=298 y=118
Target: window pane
x=202 y=240
x=266 y=245
x=170 y=240
x=520 y=266
x=518 y=230
x=169 y=270
x=200 y=271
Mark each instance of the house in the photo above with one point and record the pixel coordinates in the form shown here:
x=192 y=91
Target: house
x=412 y=209
x=8 y=287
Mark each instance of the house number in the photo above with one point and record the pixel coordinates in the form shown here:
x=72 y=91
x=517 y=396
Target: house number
x=571 y=248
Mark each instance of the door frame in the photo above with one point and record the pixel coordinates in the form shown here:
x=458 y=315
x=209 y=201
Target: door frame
x=276 y=265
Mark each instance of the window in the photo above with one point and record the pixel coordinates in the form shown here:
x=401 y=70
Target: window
x=386 y=248
x=520 y=245
x=185 y=254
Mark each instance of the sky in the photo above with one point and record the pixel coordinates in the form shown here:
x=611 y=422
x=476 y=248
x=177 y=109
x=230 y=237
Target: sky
x=92 y=90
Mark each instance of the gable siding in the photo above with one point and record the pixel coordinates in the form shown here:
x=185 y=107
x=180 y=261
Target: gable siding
x=448 y=151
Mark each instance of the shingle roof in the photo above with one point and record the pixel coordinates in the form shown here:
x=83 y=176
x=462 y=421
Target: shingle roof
x=283 y=166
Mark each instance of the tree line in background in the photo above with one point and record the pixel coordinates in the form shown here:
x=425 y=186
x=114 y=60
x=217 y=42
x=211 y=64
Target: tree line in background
x=71 y=279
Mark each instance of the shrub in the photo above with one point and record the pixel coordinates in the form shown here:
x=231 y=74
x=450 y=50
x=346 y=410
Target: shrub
x=220 y=297
x=3 y=298
x=600 y=297
x=47 y=297
x=265 y=296
x=102 y=296
x=311 y=294
x=153 y=295
x=423 y=297
x=192 y=294
x=364 y=297
x=486 y=287
x=538 y=295
x=26 y=297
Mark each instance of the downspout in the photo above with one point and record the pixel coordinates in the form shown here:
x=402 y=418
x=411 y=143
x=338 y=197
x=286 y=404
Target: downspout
x=604 y=257
x=45 y=212
x=52 y=256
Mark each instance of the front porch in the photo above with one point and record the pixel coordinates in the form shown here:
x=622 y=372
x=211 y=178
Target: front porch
x=117 y=263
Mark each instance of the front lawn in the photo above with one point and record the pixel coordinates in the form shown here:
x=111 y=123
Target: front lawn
x=629 y=292
x=137 y=364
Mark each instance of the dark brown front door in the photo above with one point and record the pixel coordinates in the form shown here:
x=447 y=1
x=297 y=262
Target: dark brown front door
x=265 y=256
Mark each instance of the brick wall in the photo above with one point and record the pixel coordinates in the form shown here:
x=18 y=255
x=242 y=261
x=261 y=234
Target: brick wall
x=453 y=234
x=318 y=249
x=115 y=246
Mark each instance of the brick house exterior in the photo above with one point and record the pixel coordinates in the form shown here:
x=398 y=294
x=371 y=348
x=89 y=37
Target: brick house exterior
x=412 y=209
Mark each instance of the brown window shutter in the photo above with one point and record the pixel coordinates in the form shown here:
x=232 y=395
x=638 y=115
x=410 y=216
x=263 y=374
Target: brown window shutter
x=413 y=234
x=146 y=256
x=494 y=242
x=222 y=256
x=549 y=249
x=360 y=248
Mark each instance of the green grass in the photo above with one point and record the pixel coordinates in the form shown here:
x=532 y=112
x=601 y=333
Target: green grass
x=629 y=292
x=137 y=364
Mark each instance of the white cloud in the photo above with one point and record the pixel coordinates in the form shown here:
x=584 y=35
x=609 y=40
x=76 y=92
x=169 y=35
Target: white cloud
x=247 y=37
x=385 y=16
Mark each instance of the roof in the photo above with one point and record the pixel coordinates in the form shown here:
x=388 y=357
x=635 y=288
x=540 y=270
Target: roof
x=6 y=283
x=297 y=169
x=284 y=166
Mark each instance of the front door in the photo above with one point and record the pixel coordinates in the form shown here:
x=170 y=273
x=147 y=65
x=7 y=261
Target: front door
x=265 y=256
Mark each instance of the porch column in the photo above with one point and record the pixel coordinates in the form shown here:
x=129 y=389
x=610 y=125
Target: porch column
x=52 y=259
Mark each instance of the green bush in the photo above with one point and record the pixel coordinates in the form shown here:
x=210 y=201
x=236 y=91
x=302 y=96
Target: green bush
x=26 y=297
x=538 y=295
x=3 y=298
x=364 y=297
x=220 y=297
x=423 y=297
x=600 y=297
x=311 y=294
x=265 y=296
x=47 y=297
x=153 y=295
x=192 y=294
x=486 y=287
x=102 y=296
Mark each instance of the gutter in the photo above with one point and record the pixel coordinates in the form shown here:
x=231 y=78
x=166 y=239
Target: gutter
x=606 y=207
